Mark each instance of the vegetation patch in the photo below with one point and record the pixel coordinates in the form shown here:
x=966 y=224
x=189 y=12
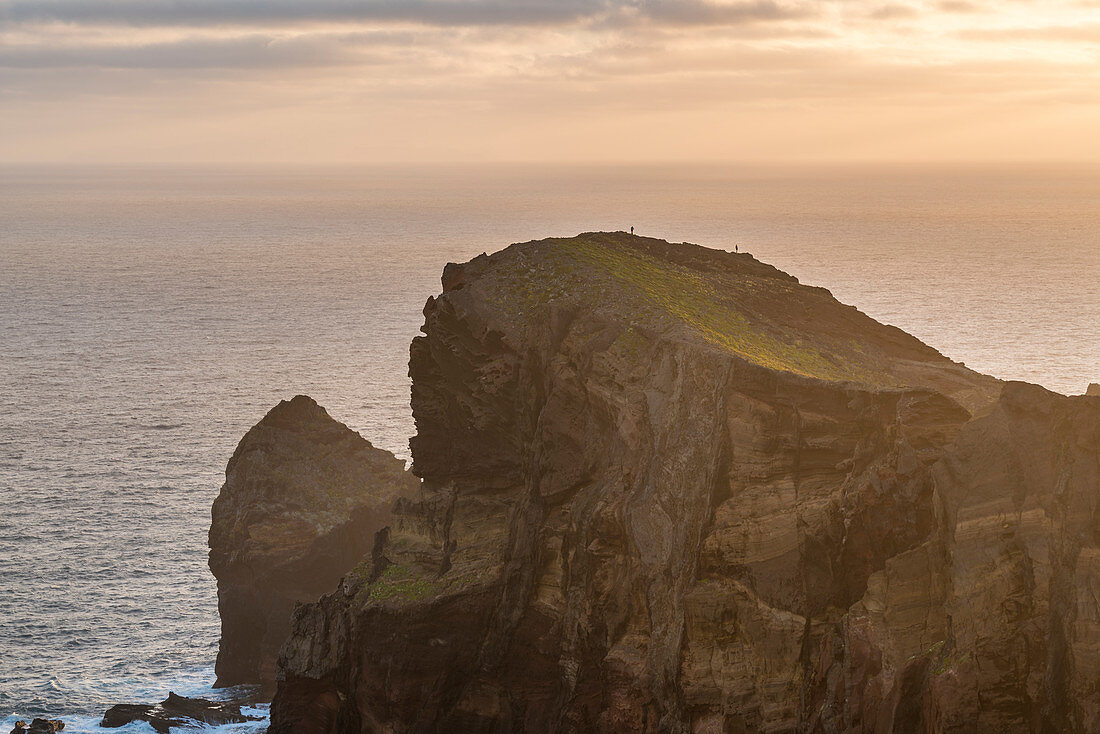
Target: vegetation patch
x=941 y=660
x=715 y=305
x=405 y=584
x=950 y=662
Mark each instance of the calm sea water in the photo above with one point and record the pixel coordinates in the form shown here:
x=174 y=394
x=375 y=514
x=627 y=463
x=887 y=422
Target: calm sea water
x=149 y=318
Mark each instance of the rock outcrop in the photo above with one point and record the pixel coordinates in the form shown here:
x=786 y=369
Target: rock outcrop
x=175 y=711
x=1093 y=390
x=670 y=489
x=302 y=500
x=39 y=726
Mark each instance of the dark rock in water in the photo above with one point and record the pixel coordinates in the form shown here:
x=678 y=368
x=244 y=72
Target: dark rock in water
x=39 y=726
x=302 y=499
x=1094 y=390
x=175 y=711
x=123 y=713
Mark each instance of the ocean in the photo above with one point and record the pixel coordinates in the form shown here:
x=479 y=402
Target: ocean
x=149 y=317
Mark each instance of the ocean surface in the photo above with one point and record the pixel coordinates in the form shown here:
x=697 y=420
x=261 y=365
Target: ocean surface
x=149 y=317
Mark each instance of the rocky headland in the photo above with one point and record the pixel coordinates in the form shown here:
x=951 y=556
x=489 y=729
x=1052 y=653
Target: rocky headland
x=302 y=500
x=671 y=489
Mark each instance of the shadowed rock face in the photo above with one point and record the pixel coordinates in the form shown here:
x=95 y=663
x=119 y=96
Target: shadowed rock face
x=671 y=489
x=302 y=499
x=992 y=624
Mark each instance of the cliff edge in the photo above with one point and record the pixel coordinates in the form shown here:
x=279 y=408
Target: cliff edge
x=671 y=489
x=302 y=499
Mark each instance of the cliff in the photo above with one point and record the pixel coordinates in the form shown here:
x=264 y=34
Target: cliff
x=671 y=489
x=993 y=623
x=302 y=499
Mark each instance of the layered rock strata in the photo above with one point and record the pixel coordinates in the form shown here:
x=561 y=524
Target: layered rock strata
x=302 y=500
x=669 y=489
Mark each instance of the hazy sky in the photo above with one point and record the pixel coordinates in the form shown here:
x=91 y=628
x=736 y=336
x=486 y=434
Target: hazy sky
x=364 y=81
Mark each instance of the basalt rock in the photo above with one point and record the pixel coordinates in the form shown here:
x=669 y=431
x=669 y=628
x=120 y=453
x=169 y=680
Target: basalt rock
x=302 y=500
x=46 y=726
x=39 y=726
x=175 y=711
x=669 y=489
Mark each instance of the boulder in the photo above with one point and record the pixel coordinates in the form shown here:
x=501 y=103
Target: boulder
x=302 y=500
x=39 y=726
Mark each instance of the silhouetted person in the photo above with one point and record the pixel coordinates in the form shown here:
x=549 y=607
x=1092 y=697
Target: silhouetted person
x=631 y=230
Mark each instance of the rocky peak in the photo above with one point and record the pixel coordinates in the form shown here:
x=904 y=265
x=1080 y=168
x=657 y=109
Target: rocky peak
x=668 y=489
x=302 y=499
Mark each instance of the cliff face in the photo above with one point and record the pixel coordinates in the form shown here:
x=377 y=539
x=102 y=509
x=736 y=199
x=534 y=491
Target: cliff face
x=302 y=499
x=671 y=489
x=992 y=624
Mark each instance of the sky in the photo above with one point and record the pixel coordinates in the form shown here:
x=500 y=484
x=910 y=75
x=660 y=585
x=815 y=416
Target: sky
x=605 y=81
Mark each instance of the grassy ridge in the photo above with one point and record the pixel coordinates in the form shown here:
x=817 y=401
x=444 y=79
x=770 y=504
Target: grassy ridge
x=725 y=307
x=708 y=303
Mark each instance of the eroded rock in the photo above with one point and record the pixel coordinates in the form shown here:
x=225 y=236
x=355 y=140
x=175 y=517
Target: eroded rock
x=302 y=499
x=39 y=726
x=175 y=711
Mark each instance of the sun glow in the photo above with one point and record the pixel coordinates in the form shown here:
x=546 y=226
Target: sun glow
x=620 y=81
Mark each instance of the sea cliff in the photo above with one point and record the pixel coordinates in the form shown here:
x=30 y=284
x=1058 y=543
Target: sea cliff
x=671 y=489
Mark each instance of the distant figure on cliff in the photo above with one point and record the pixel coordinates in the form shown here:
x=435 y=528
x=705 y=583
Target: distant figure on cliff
x=737 y=248
x=631 y=230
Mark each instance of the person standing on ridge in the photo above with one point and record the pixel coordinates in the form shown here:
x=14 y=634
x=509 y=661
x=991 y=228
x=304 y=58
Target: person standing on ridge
x=631 y=230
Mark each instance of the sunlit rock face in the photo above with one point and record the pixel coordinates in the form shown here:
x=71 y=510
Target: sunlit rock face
x=302 y=499
x=671 y=489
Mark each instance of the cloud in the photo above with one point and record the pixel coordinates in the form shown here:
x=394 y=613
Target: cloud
x=277 y=12
x=958 y=6
x=697 y=12
x=893 y=11
x=204 y=53
x=249 y=51
x=1087 y=34
x=239 y=34
x=469 y=72
x=198 y=13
